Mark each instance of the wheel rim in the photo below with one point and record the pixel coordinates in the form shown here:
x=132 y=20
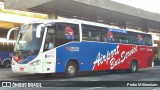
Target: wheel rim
x=71 y=70
x=134 y=67
x=6 y=65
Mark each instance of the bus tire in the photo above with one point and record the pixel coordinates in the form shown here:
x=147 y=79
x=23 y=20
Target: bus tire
x=134 y=67
x=71 y=70
x=7 y=64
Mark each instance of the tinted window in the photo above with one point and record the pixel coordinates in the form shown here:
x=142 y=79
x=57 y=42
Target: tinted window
x=135 y=38
x=66 y=32
x=109 y=36
x=148 y=40
x=127 y=38
x=91 y=33
x=139 y=39
x=123 y=38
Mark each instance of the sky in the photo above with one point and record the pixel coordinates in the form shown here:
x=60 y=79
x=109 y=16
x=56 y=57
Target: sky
x=148 y=5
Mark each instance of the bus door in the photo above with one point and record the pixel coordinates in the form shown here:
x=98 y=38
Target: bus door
x=49 y=55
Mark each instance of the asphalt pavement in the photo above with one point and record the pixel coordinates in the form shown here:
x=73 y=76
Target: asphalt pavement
x=59 y=82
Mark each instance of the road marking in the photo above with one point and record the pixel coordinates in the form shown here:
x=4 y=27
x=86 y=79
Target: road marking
x=156 y=89
x=94 y=80
x=62 y=80
x=63 y=84
x=91 y=88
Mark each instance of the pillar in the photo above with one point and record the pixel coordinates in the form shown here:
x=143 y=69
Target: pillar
x=53 y=16
x=158 y=51
x=144 y=24
x=15 y=35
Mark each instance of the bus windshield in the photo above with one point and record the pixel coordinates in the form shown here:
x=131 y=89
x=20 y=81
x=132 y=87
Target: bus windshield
x=27 y=41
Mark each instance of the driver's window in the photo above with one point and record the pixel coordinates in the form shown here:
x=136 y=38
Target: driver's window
x=50 y=39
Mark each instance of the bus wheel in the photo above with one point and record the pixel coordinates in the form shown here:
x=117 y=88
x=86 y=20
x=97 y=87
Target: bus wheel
x=71 y=70
x=7 y=64
x=134 y=67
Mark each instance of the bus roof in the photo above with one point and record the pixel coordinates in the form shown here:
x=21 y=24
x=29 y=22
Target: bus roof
x=77 y=21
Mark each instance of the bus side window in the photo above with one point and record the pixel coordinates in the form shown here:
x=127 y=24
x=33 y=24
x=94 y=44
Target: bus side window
x=104 y=31
x=139 y=39
x=148 y=40
x=91 y=33
x=109 y=36
x=85 y=35
x=95 y=35
x=126 y=38
x=123 y=38
x=66 y=32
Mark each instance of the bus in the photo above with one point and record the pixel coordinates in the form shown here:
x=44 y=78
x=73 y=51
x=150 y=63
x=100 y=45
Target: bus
x=71 y=46
x=6 y=49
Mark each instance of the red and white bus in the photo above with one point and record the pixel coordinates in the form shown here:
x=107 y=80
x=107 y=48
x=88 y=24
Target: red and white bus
x=72 y=46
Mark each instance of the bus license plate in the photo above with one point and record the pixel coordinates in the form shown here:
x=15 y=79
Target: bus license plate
x=21 y=69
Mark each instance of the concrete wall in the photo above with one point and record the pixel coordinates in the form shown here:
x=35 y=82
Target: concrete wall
x=104 y=4
x=23 y=4
x=52 y=16
x=114 y=6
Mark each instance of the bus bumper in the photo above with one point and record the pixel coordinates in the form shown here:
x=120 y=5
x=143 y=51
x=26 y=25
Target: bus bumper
x=38 y=69
x=27 y=69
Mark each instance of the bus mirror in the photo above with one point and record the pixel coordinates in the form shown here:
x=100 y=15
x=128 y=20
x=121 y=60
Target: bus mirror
x=38 y=32
x=9 y=32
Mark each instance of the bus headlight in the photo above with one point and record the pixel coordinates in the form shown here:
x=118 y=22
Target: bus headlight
x=37 y=62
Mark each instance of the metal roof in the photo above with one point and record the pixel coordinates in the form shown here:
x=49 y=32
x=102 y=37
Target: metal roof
x=104 y=11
